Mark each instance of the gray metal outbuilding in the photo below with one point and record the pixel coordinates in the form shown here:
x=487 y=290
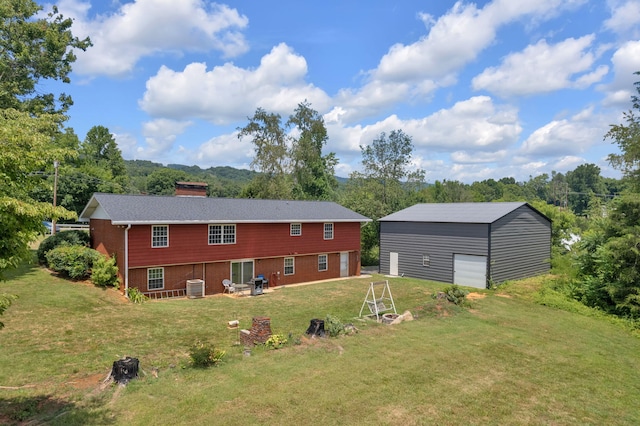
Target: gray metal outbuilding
x=471 y=244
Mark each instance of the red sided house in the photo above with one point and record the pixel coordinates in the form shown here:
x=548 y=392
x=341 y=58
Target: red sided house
x=161 y=242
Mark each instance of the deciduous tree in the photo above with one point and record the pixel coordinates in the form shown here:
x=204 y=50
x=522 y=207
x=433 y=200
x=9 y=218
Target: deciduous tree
x=271 y=156
x=313 y=172
x=25 y=147
x=627 y=137
x=34 y=49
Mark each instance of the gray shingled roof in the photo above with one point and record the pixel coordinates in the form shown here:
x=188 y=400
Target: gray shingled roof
x=454 y=212
x=147 y=209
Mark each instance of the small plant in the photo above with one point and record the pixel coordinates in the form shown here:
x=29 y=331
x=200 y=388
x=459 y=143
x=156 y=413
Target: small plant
x=276 y=341
x=455 y=295
x=333 y=326
x=204 y=355
x=136 y=296
x=105 y=272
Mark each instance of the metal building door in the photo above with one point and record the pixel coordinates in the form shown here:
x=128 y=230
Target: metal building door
x=470 y=270
x=393 y=263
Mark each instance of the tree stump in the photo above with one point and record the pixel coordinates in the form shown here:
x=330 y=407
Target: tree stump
x=316 y=328
x=125 y=369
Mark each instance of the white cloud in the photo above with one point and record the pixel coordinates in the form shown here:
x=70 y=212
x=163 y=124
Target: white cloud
x=127 y=143
x=626 y=61
x=474 y=130
x=160 y=135
x=149 y=27
x=566 y=137
x=566 y=163
x=227 y=93
x=222 y=150
x=479 y=157
x=625 y=17
x=475 y=124
x=543 y=68
x=410 y=72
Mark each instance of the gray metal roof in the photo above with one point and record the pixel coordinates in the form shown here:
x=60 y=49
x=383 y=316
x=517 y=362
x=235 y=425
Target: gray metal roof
x=148 y=209
x=454 y=212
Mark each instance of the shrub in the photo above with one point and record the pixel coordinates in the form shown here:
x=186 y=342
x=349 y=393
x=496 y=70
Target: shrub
x=69 y=238
x=105 y=272
x=276 y=341
x=136 y=296
x=333 y=326
x=205 y=355
x=456 y=295
x=74 y=262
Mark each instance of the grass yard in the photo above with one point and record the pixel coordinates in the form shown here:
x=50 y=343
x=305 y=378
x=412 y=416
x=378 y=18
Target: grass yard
x=505 y=360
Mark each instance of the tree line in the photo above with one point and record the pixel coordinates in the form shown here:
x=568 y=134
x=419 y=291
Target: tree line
x=289 y=162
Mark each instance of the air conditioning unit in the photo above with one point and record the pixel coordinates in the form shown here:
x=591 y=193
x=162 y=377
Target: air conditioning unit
x=195 y=288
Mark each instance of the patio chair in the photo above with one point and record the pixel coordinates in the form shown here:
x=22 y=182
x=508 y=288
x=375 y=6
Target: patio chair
x=228 y=286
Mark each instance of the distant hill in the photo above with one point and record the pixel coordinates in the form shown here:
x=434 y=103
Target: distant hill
x=143 y=168
x=137 y=168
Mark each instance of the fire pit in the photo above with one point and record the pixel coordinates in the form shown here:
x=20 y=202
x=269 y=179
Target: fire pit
x=389 y=318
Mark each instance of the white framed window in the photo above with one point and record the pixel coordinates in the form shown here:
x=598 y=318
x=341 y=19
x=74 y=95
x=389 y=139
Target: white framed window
x=328 y=231
x=323 y=262
x=155 y=278
x=160 y=236
x=222 y=234
x=295 y=229
x=426 y=260
x=289 y=265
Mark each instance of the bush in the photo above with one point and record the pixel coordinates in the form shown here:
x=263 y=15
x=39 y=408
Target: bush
x=136 y=296
x=69 y=238
x=74 y=262
x=205 y=355
x=455 y=295
x=276 y=341
x=333 y=326
x=105 y=272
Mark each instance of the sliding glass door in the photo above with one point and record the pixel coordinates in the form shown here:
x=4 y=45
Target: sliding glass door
x=242 y=271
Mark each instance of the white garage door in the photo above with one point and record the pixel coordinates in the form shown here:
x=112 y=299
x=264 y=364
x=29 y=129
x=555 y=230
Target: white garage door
x=470 y=270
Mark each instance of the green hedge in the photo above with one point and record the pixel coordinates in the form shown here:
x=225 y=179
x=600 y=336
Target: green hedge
x=72 y=261
x=68 y=238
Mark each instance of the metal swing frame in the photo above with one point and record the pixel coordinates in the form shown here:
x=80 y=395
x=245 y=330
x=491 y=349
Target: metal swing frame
x=380 y=301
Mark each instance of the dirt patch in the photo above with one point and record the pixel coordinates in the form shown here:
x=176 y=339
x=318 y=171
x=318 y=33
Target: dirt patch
x=506 y=296
x=476 y=296
x=89 y=382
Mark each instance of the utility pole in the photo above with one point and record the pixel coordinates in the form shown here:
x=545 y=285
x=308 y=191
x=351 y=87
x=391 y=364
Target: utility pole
x=55 y=196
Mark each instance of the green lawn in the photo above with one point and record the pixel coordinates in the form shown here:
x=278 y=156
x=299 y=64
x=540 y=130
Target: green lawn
x=504 y=361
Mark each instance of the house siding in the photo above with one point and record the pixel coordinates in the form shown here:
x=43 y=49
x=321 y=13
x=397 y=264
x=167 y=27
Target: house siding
x=189 y=243
x=520 y=245
x=108 y=239
x=440 y=241
x=189 y=256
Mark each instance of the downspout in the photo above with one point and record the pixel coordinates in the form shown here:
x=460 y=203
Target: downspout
x=126 y=261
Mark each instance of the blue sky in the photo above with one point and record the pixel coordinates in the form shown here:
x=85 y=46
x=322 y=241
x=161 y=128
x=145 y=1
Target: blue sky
x=489 y=89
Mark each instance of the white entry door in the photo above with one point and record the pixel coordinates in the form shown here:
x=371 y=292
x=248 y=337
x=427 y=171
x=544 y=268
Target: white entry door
x=393 y=263
x=344 y=264
x=470 y=270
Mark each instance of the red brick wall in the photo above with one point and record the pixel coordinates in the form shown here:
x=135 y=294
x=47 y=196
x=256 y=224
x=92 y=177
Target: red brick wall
x=305 y=269
x=175 y=277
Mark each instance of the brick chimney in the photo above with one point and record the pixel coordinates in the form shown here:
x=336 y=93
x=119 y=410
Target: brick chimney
x=191 y=189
